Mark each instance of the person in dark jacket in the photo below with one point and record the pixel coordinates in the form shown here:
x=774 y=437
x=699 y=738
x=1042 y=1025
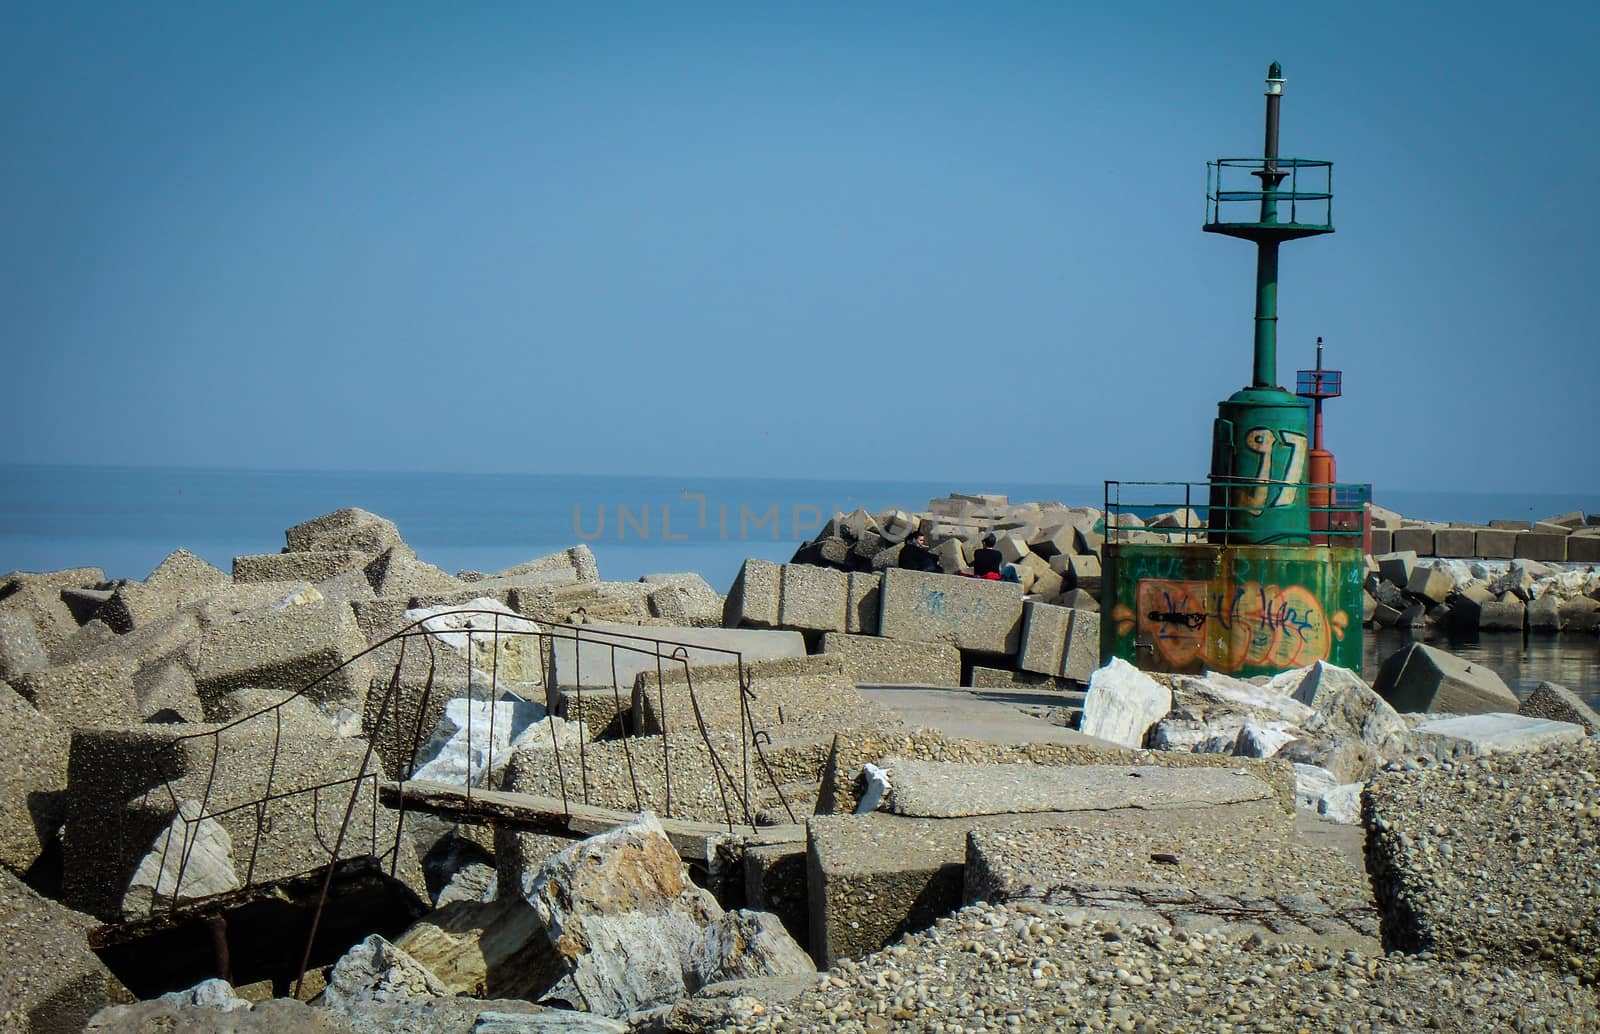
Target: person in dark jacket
x=916 y=556
x=986 y=561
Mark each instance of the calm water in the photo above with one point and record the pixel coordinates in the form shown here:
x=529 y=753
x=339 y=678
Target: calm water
x=125 y=520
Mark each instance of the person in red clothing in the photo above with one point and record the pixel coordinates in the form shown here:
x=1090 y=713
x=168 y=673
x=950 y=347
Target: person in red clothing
x=987 y=560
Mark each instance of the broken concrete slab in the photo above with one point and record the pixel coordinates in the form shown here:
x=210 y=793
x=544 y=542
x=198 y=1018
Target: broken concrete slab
x=1504 y=615
x=873 y=660
x=586 y=654
x=1396 y=567
x=967 y=613
x=1423 y=678
x=1234 y=868
x=812 y=691
x=1558 y=703
x=1430 y=583
x=933 y=789
x=124 y=787
x=1477 y=734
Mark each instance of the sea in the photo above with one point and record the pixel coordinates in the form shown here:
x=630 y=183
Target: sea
x=125 y=520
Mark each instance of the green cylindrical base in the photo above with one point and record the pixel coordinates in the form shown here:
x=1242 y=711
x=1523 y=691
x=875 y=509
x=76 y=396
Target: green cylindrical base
x=1261 y=435
x=1242 y=610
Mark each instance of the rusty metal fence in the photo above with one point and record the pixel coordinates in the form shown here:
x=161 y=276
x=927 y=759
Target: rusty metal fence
x=391 y=730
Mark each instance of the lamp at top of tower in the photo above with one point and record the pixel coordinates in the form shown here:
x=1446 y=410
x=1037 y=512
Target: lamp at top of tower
x=1275 y=80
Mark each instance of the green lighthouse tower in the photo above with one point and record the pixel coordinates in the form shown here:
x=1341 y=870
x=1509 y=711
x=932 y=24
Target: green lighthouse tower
x=1270 y=577
x=1261 y=441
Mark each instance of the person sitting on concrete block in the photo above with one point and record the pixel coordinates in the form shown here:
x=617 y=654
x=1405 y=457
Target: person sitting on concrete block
x=915 y=555
x=987 y=560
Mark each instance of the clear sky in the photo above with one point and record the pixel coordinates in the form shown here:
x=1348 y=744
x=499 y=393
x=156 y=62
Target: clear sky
x=951 y=242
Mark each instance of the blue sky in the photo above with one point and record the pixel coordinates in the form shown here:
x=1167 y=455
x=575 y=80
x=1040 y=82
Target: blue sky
x=948 y=242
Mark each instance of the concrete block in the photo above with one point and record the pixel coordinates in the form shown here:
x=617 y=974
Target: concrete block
x=1084 y=574
x=312 y=567
x=1509 y=525
x=1385 y=616
x=1046 y=585
x=398 y=572
x=1497 y=544
x=20 y=650
x=875 y=661
x=1087 y=542
x=1080 y=599
x=1457 y=543
x=1056 y=541
x=755 y=597
x=165 y=691
x=1382 y=541
x=1549 y=528
x=865 y=600
x=1044 y=637
x=1544 y=615
x=1413 y=540
x=967 y=613
x=1532 y=545
x=1396 y=567
x=33 y=781
x=1466 y=606
x=816 y=599
x=636 y=649
x=347 y=529
x=1569 y=520
x=1583 y=548
x=1579 y=614
x=88 y=693
x=1430 y=583
x=54 y=982
x=39 y=597
x=1493 y=733
x=1082 y=655
x=295 y=648
x=1506 y=615
x=1422 y=678
x=1012 y=547
x=952 y=557
x=1558 y=703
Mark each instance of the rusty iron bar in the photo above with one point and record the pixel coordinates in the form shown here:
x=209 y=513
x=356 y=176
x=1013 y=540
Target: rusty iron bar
x=718 y=768
x=627 y=751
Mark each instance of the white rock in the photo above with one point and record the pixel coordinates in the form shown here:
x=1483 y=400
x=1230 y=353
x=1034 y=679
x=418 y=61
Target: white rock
x=504 y=658
x=1122 y=703
x=299 y=598
x=195 y=846
x=877 y=784
x=213 y=993
x=1493 y=733
x=1187 y=734
x=622 y=914
x=474 y=740
x=1342 y=804
x=1347 y=707
x=375 y=972
x=741 y=945
x=1263 y=739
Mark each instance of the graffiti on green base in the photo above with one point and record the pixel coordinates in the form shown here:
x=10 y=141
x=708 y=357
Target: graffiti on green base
x=1229 y=626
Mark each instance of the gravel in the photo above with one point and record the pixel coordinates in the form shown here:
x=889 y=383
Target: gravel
x=1027 y=967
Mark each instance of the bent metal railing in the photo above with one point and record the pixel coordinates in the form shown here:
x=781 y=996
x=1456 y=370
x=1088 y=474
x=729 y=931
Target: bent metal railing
x=345 y=795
